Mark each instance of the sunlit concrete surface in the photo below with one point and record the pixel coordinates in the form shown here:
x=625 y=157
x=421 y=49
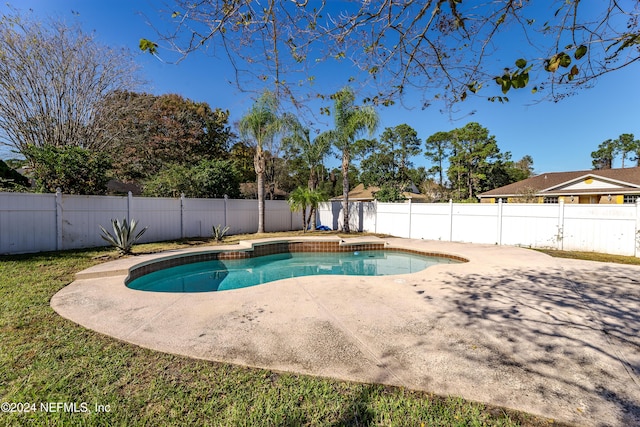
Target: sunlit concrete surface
x=512 y=327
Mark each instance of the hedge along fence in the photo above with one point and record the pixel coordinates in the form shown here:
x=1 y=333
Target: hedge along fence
x=48 y=222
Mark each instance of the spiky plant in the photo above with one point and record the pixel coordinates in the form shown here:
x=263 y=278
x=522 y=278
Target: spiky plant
x=123 y=237
x=218 y=232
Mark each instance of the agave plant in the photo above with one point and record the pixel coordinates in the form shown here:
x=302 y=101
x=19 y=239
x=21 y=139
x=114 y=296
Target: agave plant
x=123 y=237
x=218 y=232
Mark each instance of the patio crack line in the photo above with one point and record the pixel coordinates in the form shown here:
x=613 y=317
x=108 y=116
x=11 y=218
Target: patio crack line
x=359 y=343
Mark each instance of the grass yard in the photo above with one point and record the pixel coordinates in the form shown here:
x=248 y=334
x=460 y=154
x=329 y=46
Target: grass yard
x=592 y=256
x=47 y=361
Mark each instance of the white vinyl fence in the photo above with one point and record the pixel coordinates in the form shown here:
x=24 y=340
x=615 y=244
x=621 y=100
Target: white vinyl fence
x=610 y=229
x=48 y=222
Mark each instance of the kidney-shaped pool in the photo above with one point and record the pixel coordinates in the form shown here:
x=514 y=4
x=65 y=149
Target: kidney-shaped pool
x=220 y=275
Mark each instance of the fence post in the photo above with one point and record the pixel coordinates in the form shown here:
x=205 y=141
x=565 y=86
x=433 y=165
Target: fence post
x=560 y=236
x=375 y=217
x=129 y=205
x=451 y=220
x=59 y=222
x=225 y=209
x=636 y=240
x=500 y=221
x=182 y=216
x=409 y=236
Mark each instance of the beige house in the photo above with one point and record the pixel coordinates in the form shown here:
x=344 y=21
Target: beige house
x=612 y=186
x=360 y=193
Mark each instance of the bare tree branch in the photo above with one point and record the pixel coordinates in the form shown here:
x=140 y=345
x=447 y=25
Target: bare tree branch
x=442 y=49
x=53 y=80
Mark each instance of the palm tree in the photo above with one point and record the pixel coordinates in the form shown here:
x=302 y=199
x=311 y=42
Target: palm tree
x=303 y=198
x=312 y=152
x=350 y=122
x=261 y=124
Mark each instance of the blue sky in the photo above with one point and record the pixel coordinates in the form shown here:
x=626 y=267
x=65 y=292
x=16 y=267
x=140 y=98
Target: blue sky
x=559 y=136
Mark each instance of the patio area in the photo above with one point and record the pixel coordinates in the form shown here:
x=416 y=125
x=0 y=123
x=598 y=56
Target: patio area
x=512 y=327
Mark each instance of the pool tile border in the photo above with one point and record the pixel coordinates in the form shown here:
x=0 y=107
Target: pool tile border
x=271 y=248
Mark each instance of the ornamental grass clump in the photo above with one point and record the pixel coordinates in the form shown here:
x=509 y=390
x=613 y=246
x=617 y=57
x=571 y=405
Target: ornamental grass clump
x=123 y=237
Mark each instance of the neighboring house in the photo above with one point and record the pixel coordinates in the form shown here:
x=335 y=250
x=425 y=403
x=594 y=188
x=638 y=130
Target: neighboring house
x=606 y=186
x=361 y=194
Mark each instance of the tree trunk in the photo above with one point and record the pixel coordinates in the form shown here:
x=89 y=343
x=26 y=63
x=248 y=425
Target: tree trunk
x=312 y=217
x=305 y=222
x=259 y=163
x=345 y=191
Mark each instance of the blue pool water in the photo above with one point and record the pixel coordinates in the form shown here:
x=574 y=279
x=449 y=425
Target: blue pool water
x=223 y=275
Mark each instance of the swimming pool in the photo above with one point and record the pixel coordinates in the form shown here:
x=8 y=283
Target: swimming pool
x=227 y=274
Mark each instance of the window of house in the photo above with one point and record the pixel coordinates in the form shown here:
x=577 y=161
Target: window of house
x=630 y=199
x=553 y=199
x=504 y=200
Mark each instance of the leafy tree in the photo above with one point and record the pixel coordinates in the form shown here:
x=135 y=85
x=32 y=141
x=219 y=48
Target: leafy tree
x=350 y=121
x=53 y=81
x=503 y=171
x=276 y=175
x=473 y=151
x=10 y=179
x=216 y=179
x=172 y=181
x=242 y=154
x=261 y=125
x=146 y=132
x=75 y=170
x=388 y=165
x=311 y=152
x=525 y=167
x=389 y=193
x=445 y=50
x=603 y=156
x=402 y=142
x=206 y=179
x=626 y=144
x=438 y=149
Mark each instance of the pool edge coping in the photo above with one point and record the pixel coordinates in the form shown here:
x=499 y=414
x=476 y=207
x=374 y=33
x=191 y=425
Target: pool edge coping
x=124 y=266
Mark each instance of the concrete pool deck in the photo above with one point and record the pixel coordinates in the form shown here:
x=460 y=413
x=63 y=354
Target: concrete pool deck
x=512 y=327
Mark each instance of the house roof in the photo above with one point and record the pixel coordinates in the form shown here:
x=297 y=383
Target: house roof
x=362 y=194
x=625 y=180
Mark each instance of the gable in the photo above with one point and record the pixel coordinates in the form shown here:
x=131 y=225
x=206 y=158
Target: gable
x=625 y=180
x=591 y=183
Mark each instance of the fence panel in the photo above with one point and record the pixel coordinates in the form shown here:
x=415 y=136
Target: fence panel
x=42 y=222
x=242 y=216
x=601 y=228
x=161 y=214
x=531 y=225
x=27 y=223
x=84 y=214
x=477 y=223
x=431 y=221
x=328 y=214
x=393 y=219
x=201 y=215
x=278 y=216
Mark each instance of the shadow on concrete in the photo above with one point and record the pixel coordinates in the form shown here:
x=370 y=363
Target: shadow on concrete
x=572 y=328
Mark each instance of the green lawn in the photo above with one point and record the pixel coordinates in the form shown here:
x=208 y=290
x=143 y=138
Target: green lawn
x=46 y=360
x=592 y=256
